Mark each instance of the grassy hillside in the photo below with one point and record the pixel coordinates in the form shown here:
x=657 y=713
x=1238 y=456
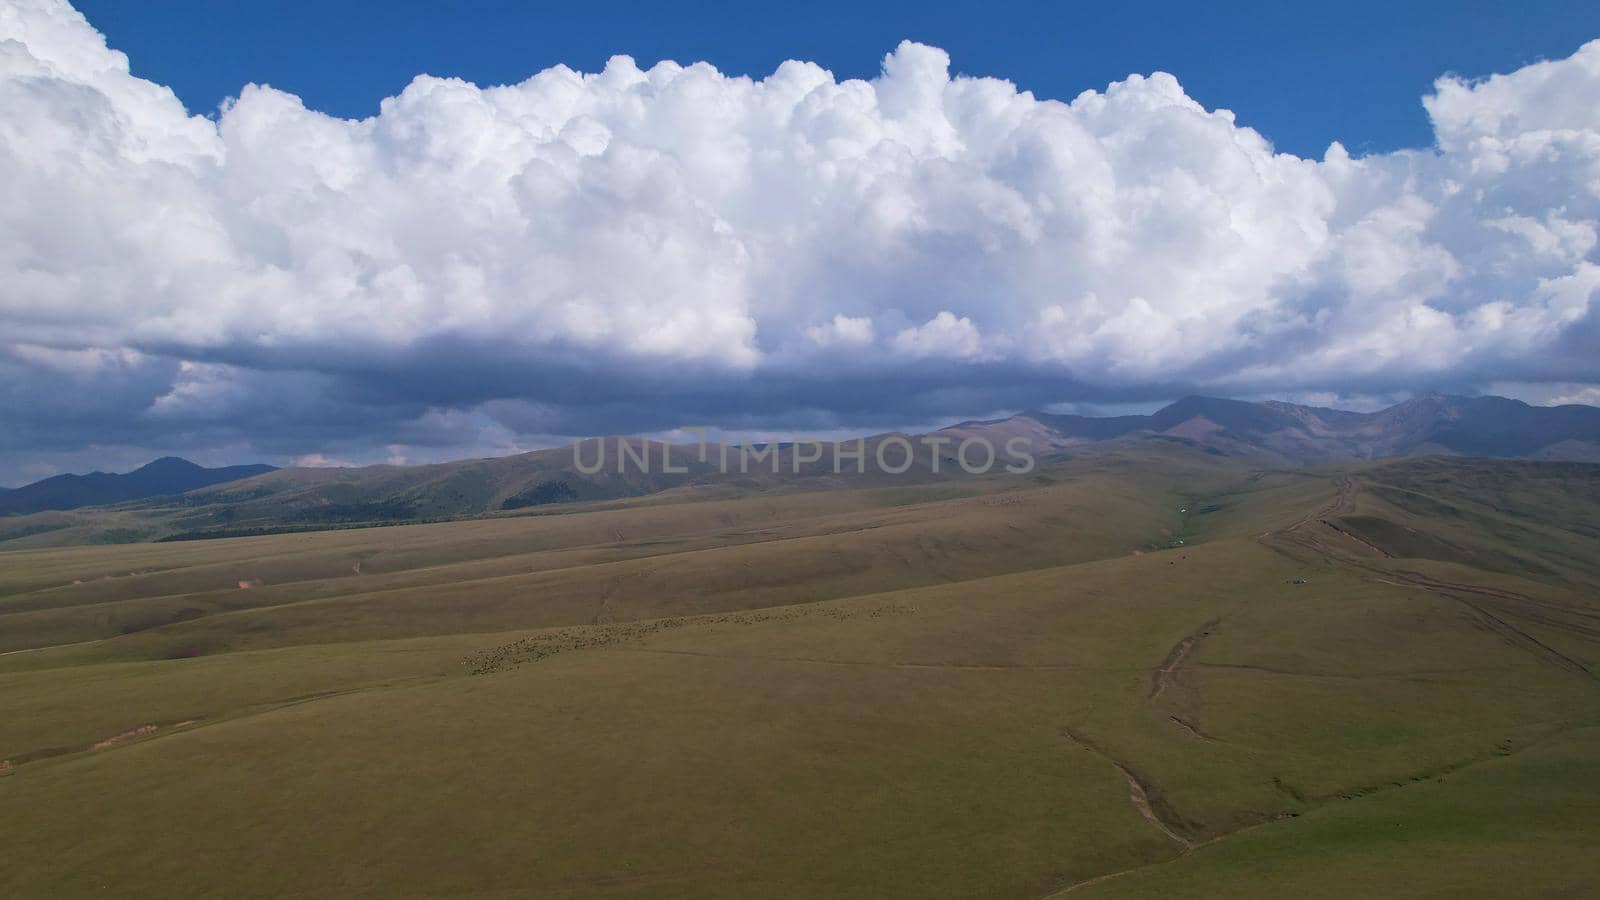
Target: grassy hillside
x=1143 y=674
x=601 y=471
x=544 y=481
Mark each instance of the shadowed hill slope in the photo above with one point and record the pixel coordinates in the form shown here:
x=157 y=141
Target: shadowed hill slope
x=1288 y=434
x=598 y=472
x=168 y=475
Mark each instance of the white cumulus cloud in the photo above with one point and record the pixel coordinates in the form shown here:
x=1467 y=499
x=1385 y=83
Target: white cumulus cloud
x=673 y=243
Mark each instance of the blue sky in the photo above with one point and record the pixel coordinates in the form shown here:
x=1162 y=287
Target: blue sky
x=1303 y=74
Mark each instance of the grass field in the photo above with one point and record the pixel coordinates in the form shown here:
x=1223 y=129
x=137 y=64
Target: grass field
x=1147 y=674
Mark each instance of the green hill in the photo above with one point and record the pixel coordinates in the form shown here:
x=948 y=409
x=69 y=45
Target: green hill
x=1156 y=671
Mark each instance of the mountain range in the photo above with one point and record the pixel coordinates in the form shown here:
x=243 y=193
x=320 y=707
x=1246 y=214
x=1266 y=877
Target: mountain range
x=174 y=499
x=1289 y=434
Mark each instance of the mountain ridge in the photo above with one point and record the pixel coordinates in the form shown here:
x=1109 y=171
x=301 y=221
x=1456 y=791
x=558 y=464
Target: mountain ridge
x=1272 y=434
x=1292 y=434
x=159 y=477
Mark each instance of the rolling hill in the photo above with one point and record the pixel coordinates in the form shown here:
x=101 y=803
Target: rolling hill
x=164 y=476
x=1153 y=671
x=526 y=483
x=1289 y=434
x=1269 y=433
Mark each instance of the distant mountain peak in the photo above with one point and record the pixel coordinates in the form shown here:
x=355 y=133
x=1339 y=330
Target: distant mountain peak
x=167 y=475
x=169 y=464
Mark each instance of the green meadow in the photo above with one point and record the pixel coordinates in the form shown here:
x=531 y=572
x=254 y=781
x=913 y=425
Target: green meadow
x=1151 y=673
